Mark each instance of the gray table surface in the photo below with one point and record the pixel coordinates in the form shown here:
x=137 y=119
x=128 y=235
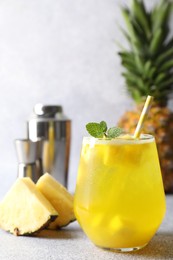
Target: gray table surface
x=71 y=243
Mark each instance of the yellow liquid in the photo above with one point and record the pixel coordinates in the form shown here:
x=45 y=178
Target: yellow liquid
x=119 y=198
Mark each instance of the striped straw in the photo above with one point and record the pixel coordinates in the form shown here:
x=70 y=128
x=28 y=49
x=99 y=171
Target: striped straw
x=143 y=116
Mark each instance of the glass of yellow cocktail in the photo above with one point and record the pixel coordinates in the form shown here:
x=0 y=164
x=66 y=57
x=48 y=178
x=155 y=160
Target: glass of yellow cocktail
x=119 y=198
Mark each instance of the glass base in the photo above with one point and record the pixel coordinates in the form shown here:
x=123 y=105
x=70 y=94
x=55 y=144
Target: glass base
x=124 y=250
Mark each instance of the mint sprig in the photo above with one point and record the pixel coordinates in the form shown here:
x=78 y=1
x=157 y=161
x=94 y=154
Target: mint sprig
x=100 y=130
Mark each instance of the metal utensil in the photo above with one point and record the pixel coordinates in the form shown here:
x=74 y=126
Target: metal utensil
x=48 y=122
x=29 y=158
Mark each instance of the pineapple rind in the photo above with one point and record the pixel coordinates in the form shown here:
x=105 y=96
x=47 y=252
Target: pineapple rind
x=24 y=210
x=60 y=198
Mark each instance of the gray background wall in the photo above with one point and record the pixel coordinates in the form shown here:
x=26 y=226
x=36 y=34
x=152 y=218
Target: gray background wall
x=58 y=52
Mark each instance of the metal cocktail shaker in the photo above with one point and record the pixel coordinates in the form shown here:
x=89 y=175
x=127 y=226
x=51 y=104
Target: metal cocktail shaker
x=49 y=123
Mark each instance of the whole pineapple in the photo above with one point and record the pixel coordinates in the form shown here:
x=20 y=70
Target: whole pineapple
x=148 y=67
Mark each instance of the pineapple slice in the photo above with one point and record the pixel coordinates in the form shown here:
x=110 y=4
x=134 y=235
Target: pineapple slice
x=60 y=198
x=24 y=210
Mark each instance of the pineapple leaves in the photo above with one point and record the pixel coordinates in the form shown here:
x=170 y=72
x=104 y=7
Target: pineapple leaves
x=136 y=95
x=168 y=45
x=125 y=34
x=165 y=84
x=160 y=16
x=165 y=56
x=148 y=64
x=160 y=78
x=139 y=63
x=156 y=41
x=141 y=17
x=127 y=59
x=132 y=60
x=134 y=39
x=167 y=66
x=127 y=18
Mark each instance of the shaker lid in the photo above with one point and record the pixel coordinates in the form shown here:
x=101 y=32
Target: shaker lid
x=47 y=110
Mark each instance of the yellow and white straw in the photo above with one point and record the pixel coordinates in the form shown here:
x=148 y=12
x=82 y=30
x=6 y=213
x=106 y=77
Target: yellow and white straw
x=143 y=116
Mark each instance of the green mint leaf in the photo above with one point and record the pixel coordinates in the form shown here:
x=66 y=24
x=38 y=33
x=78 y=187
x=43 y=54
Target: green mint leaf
x=100 y=130
x=103 y=126
x=114 y=132
x=95 y=130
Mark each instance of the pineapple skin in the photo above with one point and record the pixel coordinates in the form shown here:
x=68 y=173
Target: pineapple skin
x=24 y=210
x=60 y=198
x=159 y=123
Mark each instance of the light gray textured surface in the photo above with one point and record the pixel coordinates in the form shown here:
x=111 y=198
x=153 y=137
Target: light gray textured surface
x=59 y=52
x=72 y=244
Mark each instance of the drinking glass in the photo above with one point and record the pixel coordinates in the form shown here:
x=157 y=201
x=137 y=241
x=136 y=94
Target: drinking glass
x=119 y=198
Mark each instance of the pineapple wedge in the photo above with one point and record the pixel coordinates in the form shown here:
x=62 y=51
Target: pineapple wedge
x=60 y=198
x=24 y=210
